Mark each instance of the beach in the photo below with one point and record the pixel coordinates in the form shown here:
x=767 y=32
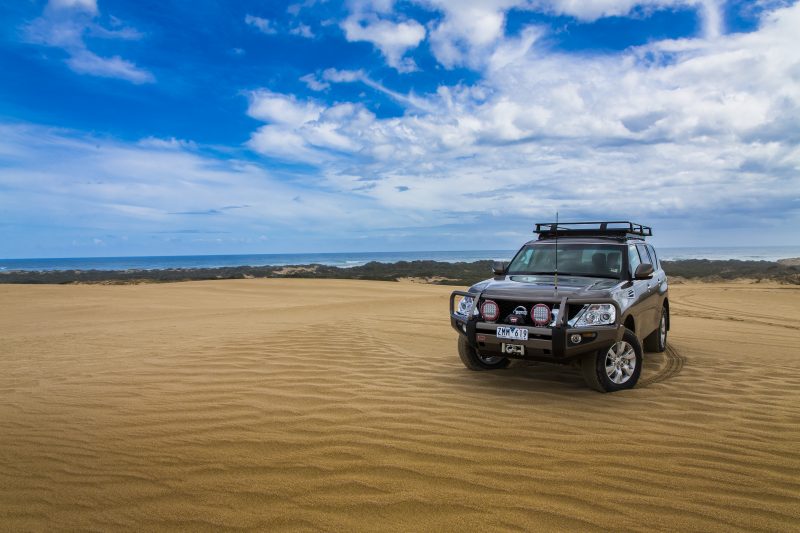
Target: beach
x=318 y=404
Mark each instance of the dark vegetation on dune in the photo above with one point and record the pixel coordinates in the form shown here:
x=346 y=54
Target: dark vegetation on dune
x=784 y=271
x=426 y=271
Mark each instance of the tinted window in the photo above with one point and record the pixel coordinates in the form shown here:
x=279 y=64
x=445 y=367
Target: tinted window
x=645 y=255
x=598 y=260
x=652 y=250
x=633 y=258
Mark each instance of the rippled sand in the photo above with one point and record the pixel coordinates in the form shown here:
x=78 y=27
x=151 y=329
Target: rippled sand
x=342 y=405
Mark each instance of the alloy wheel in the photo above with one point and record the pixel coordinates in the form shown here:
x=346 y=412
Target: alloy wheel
x=620 y=362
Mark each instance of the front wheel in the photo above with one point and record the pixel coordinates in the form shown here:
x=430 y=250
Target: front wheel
x=475 y=361
x=616 y=368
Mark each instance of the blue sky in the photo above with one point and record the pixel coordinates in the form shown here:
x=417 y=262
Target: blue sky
x=191 y=127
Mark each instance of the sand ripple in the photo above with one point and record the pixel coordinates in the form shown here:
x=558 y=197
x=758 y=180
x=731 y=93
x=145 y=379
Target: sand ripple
x=309 y=405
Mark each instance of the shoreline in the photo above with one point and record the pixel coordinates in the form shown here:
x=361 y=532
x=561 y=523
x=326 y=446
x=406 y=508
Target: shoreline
x=785 y=271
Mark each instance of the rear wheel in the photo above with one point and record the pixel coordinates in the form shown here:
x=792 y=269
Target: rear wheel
x=657 y=341
x=475 y=361
x=616 y=368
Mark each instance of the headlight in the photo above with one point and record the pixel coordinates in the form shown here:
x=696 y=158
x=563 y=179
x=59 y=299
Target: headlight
x=464 y=305
x=595 y=315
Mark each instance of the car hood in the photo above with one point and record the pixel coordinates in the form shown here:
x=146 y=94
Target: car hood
x=542 y=286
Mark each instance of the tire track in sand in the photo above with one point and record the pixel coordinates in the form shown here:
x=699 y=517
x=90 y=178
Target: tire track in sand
x=673 y=364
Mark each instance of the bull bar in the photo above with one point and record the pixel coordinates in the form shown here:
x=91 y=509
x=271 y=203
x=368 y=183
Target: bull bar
x=544 y=343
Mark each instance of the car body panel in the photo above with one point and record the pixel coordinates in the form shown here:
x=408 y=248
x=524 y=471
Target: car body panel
x=636 y=300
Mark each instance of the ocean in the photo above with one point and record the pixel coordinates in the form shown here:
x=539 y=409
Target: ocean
x=350 y=259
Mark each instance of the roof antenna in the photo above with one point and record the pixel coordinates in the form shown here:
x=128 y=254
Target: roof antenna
x=556 y=270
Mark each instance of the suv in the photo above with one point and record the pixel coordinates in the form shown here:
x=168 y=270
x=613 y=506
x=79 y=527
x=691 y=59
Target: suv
x=583 y=293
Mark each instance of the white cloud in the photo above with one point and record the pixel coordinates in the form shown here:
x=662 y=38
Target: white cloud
x=78 y=186
x=313 y=83
x=343 y=76
x=351 y=76
x=677 y=127
x=282 y=109
x=167 y=144
x=283 y=143
x=709 y=10
x=302 y=30
x=513 y=50
x=64 y=24
x=591 y=10
x=467 y=32
x=86 y=62
x=268 y=27
x=85 y=5
x=393 y=39
x=302 y=131
x=712 y=18
x=261 y=24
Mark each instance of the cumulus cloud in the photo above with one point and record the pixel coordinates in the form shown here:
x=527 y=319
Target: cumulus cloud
x=302 y=130
x=468 y=32
x=677 y=127
x=282 y=109
x=393 y=38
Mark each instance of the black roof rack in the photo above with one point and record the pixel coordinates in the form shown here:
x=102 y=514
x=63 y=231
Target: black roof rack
x=613 y=229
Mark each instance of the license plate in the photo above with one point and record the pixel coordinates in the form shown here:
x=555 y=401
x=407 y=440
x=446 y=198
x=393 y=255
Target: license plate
x=517 y=334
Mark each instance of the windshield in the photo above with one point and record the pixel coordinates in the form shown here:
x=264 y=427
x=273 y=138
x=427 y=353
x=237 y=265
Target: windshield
x=574 y=259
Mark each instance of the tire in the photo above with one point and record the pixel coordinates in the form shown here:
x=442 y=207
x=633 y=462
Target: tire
x=657 y=341
x=615 y=368
x=472 y=360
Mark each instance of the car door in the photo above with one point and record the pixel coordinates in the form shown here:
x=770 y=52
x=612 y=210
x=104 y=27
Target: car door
x=660 y=278
x=637 y=292
x=651 y=298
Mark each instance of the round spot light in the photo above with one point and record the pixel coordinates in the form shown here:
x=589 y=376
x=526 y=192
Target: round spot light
x=490 y=310
x=540 y=314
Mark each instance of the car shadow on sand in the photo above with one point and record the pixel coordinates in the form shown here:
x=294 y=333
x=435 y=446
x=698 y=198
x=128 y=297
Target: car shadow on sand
x=533 y=376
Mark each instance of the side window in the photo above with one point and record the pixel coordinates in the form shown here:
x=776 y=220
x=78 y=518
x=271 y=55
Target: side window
x=633 y=258
x=645 y=255
x=652 y=250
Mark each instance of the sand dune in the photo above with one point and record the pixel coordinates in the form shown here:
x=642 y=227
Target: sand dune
x=342 y=405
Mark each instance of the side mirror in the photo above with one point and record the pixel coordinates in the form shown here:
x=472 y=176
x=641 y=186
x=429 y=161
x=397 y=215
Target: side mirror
x=643 y=271
x=499 y=268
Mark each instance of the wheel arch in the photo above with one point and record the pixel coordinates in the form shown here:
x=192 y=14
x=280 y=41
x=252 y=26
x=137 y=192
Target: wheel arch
x=666 y=307
x=630 y=323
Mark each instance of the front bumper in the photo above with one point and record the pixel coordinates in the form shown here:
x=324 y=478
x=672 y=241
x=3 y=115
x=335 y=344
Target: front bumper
x=550 y=344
